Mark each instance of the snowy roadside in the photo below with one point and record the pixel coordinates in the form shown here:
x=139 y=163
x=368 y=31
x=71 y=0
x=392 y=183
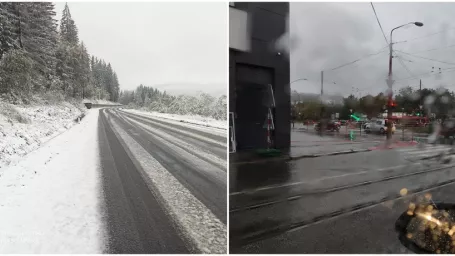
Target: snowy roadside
x=101 y=102
x=51 y=200
x=25 y=128
x=190 y=119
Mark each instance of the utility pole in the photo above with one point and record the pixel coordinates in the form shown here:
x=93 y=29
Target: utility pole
x=322 y=124
x=390 y=83
x=420 y=93
x=322 y=83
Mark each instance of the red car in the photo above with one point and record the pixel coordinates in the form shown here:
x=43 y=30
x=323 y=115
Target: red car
x=331 y=126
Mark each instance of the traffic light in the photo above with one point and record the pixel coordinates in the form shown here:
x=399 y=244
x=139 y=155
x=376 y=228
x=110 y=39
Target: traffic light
x=355 y=117
x=392 y=104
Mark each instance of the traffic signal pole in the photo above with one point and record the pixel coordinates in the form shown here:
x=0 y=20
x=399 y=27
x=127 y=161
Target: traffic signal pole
x=390 y=94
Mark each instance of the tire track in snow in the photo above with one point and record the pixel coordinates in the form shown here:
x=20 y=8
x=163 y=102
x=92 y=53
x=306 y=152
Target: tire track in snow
x=195 y=134
x=206 y=131
x=198 y=224
x=216 y=162
x=207 y=185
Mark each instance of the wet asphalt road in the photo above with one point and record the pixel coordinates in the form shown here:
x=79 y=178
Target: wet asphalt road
x=330 y=204
x=136 y=220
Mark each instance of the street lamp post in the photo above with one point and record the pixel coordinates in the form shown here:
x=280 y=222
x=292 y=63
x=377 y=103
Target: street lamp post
x=390 y=81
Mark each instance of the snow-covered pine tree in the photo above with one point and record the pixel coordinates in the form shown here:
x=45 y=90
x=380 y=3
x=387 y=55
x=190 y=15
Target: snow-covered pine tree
x=68 y=29
x=116 y=87
x=39 y=39
x=9 y=37
x=83 y=70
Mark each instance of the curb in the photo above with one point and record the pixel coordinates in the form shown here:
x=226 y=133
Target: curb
x=271 y=159
x=330 y=154
x=395 y=145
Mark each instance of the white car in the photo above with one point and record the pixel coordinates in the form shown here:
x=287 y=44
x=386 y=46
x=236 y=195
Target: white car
x=379 y=126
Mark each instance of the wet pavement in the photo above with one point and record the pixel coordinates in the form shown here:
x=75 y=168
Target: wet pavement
x=329 y=204
x=310 y=144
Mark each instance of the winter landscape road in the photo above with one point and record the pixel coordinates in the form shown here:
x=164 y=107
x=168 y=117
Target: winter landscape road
x=340 y=203
x=119 y=182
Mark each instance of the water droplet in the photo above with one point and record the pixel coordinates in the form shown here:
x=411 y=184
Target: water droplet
x=403 y=192
x=429 y=100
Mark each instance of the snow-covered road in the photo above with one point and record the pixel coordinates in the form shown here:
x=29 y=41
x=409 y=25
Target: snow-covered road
x=119 y=182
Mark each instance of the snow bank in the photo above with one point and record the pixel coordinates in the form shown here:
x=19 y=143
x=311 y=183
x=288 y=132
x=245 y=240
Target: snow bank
x=24 y=128
x=50 y=200
x=191 y=119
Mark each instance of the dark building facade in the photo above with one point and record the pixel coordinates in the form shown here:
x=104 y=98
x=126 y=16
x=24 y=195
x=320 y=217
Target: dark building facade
x=252 y=68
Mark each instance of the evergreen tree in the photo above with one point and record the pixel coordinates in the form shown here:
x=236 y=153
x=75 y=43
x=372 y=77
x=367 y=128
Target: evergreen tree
x=8 y=28
x=68 y=29
x=39 y=39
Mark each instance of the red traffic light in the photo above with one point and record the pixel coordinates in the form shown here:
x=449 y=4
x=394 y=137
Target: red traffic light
x=392 y=103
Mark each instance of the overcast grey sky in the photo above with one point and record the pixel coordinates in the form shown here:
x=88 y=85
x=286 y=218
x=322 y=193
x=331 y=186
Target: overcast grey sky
x=178 y=47
x=331 y=34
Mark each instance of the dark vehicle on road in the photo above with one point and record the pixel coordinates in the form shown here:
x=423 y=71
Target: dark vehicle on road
x=330 y=126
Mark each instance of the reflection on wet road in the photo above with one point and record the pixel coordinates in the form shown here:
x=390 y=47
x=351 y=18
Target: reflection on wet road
x=328 y=204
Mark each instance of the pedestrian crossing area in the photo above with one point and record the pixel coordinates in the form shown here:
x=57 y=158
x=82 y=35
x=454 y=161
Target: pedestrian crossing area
x=425 y=151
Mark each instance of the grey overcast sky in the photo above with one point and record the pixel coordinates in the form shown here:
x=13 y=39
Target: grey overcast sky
x=331 y=34
x=178 y=47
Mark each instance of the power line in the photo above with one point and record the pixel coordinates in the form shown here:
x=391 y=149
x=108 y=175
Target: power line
x=379 y=23
x=423 y=74
x=405 y=67
x=425 y=36
x=416 y=56
x=412 y=61
x=354 y=61
x=434 y=49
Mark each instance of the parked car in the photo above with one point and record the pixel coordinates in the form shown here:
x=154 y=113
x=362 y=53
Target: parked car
x=379 y=126
x=331 y=126
x=338 y=122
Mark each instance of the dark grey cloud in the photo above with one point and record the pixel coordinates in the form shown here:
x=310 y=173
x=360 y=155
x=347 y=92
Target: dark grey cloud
x=331 y=34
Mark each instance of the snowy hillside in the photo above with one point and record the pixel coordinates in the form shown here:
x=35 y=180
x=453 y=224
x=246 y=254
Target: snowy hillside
x=201 y=105
x=24 y=128
x=154 y=100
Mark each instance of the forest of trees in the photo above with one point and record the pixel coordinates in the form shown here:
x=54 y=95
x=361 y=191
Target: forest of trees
x=155 y=100
x=440 y=102
x=39 y=57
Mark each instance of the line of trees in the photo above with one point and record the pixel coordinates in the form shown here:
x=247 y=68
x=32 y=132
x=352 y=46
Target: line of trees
x=156 y=100
x=440 y=102
x=37 y=57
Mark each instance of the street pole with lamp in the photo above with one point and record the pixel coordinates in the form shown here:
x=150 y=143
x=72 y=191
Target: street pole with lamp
x=390 y=81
